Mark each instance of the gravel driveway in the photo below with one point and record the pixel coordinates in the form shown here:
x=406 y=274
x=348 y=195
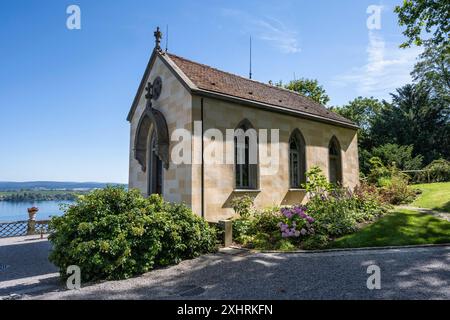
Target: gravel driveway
x=412 y=273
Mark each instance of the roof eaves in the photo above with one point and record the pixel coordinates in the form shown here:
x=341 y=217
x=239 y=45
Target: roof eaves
x=184 y=79
x=274 y=108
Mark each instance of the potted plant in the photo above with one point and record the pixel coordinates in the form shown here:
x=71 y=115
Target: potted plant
x=32 y=213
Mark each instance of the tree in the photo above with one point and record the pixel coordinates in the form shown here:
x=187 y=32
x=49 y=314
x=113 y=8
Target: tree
x=402 y=156
x=432 y=70
x=414 y=118
x=424 y=15
x=362 y=111
x=309 y=88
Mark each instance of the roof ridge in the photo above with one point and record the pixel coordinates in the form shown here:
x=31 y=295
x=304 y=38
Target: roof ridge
x=252 y=80
x=320 y=109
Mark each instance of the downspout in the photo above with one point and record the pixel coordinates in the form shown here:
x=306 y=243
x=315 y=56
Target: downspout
x=202 y=168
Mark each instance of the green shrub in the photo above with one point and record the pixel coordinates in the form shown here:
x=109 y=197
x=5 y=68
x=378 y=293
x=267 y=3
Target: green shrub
x=255 y=229
x=242 y=230
x=368 y=202
x=397 y=192
x=338 y=212
x=378 y=171
x=333 y=216
x=438 y=170
x=243 y=206
x=115 y=234
x=316 y=183
x=317 y=241
x=186 y=235
x=329 y=213
x=267 y=220
x=384 y=181
x=393 y=184
x=402 y=156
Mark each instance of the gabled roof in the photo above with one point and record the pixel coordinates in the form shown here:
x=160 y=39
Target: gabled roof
x=205 y=80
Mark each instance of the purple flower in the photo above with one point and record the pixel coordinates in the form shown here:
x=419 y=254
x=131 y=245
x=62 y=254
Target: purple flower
x=303 y=232
x=310 y=219
x=287 y=213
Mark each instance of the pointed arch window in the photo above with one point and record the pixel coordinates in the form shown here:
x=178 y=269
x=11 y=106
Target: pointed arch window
x=335 y=161
x=297 y=159
x=246 y=156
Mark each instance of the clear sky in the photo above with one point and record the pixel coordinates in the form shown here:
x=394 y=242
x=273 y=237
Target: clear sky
x=65 y=94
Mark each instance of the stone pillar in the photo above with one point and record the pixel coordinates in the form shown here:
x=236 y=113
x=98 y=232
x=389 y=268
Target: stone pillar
x=227 y=227
x=31 y=228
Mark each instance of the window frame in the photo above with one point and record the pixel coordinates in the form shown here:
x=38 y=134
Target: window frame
x=336 y=159
x=297 y=138
x=252 y=170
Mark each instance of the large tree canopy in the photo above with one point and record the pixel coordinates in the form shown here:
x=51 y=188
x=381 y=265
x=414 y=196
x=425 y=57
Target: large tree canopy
x=402 y=156
x=432 y=69
x=420 y=16
x=309 y=88
x=414 y=118
x=362 y=111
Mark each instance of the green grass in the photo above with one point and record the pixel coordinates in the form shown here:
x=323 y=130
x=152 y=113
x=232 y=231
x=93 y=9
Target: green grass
x=399 y=228
x=434 y=196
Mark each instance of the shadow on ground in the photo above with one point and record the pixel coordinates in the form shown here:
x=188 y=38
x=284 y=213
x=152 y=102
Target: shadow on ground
x=418 y=273
x=25 y=266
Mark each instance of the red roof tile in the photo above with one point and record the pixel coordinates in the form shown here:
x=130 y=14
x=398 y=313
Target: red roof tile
x=214 y=80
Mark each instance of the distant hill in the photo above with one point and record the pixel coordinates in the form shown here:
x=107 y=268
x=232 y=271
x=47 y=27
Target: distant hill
x=53 y=185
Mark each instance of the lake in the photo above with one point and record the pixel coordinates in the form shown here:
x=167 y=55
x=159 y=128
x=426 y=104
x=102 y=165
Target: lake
x=17 y=211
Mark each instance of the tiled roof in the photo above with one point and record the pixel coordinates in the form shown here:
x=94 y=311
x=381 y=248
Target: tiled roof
x=217 y=81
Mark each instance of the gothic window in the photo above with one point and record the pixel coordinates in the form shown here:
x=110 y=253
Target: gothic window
x=334 y=162
x=297 y=160
x=246 y=156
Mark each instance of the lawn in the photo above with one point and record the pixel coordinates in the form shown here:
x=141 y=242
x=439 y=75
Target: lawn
x=434 y=196
x=402 y=227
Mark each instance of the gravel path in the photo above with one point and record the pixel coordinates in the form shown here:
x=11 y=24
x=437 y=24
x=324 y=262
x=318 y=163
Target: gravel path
x=410 y=273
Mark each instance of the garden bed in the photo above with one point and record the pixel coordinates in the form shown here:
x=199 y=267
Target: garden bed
x=337 y=217
x=331 y=212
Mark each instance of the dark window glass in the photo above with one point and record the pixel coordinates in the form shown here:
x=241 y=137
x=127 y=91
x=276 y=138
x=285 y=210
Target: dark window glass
x=297 y=160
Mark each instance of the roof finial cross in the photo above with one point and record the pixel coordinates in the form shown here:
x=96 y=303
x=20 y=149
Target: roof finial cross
x=158 y=36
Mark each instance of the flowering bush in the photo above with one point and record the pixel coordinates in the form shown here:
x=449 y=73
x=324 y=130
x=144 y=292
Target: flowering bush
x=296 y=223
x=330 y=213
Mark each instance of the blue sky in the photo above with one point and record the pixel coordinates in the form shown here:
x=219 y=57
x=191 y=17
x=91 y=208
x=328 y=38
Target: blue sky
x=65 y=94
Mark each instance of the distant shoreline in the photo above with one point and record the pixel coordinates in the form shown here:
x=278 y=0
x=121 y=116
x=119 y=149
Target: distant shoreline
x=11 y=186
x=39 y=195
